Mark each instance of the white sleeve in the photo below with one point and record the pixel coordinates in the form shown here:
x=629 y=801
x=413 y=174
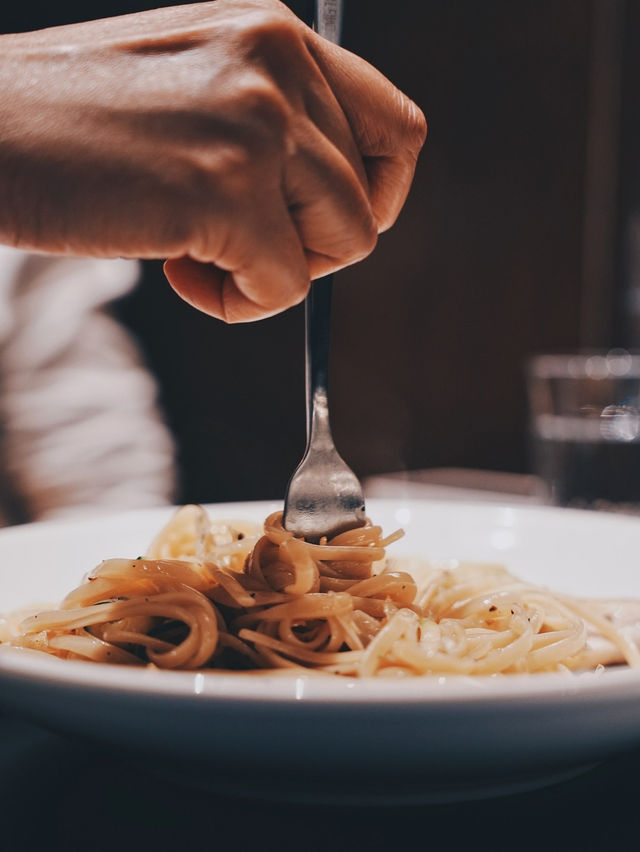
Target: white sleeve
x=81 y=427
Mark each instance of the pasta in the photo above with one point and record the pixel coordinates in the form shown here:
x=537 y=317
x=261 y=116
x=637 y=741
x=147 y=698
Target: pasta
x=234 y=596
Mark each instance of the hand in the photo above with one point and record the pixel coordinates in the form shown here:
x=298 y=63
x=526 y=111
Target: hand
x=226 y=136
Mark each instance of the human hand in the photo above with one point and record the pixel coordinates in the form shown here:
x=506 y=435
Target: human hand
x=227 y=137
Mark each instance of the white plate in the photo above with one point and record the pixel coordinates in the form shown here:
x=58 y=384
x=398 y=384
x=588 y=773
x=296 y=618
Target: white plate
x=331 y=738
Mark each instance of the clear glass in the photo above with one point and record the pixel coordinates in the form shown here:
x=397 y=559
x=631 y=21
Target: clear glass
x=585 y=428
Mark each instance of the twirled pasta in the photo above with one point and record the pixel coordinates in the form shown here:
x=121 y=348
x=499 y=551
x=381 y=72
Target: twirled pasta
x=231 y=596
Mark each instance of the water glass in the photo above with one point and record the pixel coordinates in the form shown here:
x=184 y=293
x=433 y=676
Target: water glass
x=585 y=428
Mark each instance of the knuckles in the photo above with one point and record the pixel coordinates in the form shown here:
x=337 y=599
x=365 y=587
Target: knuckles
x=259 y=107
x=271 y=35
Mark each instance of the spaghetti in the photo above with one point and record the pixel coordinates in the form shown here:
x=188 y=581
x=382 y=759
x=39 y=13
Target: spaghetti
x=233 y=596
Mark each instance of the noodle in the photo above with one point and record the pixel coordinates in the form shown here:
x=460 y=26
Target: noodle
x=232 y=596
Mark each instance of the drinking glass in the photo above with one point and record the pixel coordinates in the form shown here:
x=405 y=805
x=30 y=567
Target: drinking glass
x=585 y=428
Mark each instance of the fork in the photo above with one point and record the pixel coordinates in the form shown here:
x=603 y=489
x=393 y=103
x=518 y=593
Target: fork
x=324 y=496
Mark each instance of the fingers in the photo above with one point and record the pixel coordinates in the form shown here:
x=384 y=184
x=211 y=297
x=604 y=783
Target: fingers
x=389 y=129
x=328 y=204
x=276 y=243
x=390 y=179
x=217 y=292
x=256 y=271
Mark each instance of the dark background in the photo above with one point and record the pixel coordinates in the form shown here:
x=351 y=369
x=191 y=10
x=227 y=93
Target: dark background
x=62 y=796
x=518 y=237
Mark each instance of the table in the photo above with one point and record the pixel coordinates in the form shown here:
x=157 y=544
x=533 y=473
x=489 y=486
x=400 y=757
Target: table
x=61 y=795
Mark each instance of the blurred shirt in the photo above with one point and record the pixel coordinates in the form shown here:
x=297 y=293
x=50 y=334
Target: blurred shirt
x=81 y=430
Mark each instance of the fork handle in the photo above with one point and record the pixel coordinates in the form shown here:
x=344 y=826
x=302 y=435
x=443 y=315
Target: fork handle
x=328 y=19
x=328 y=23
x=318 y=323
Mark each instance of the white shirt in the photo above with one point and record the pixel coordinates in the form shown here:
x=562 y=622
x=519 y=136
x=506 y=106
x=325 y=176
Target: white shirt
x=80 y=426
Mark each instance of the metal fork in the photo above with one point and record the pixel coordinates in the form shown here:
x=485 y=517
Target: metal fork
x=324 y=496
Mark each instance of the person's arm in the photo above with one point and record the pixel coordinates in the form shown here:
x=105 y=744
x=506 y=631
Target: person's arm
x=81 y=427
x=227 y=137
